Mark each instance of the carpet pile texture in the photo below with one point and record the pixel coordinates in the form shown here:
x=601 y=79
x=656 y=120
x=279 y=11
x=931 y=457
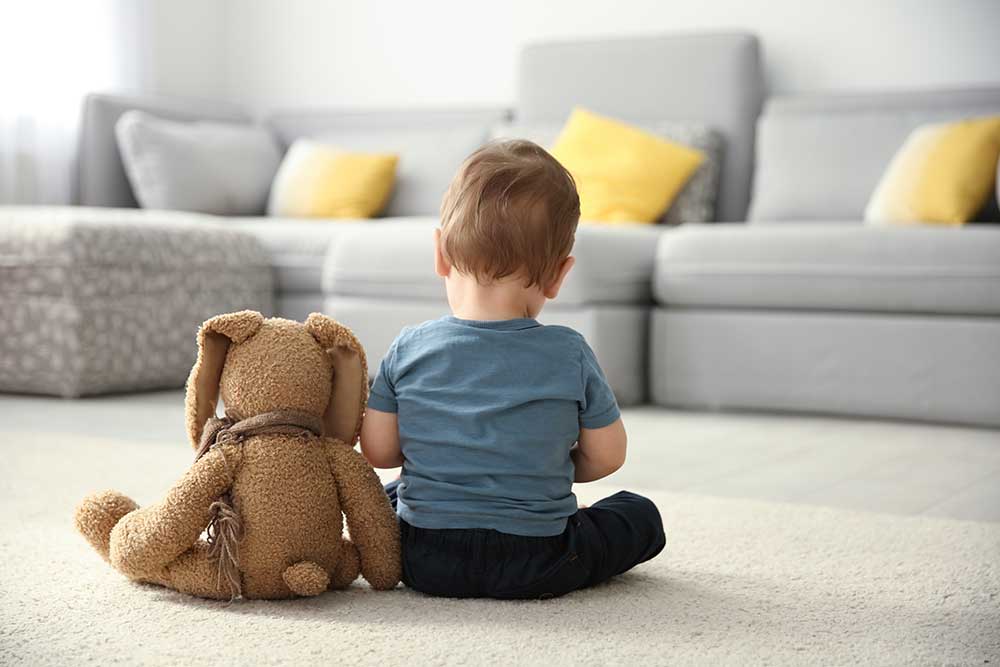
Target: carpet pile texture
x=739 y=582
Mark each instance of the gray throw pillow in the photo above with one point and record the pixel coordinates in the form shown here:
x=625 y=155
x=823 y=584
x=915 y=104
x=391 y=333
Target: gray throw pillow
x=695 y=202
x=209 y=167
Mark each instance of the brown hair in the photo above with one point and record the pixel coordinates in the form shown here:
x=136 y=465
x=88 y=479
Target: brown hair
x=511 y=209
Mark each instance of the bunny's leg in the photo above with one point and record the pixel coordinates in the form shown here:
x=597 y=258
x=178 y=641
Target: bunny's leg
x=98 y=514
x=195 y=573
x=348 y=566
x=148 y=540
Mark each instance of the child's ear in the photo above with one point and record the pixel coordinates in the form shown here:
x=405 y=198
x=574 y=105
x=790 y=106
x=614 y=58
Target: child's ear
x=441 y=265
x=552 y=291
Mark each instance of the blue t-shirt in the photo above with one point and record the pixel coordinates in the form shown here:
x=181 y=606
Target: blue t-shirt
x=488 y=412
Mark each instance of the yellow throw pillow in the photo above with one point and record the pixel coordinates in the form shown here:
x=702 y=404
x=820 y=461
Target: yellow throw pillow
x=623 y=173
x=942 y=174
x=316 y=180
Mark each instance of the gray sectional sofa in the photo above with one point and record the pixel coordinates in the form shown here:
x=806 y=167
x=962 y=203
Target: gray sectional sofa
x=819 y=313
x=804 y=308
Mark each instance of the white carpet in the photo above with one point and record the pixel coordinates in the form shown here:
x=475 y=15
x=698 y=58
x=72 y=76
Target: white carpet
x=739 y=582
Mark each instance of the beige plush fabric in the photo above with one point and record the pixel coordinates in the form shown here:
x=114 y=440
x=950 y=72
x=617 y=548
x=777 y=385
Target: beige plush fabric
x=740 y=582
x=281 y=498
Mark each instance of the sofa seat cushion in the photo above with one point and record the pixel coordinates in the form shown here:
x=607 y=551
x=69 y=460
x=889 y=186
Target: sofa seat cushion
x=395 y=259
x=296 y=247
x=831 y=267
x=99 y=300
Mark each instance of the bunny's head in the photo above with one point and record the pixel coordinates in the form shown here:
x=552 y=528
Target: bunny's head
x=260 y=365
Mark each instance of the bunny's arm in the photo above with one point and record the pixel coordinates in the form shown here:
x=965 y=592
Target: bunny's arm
x=146 y=540
x=370 y=519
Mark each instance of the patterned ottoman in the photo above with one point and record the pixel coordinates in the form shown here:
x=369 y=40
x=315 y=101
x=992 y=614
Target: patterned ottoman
x=103 y=300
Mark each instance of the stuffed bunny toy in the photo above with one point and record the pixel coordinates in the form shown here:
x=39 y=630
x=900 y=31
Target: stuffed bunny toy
x=270 y=480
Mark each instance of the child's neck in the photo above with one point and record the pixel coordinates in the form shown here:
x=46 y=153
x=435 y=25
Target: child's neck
x=506 y=299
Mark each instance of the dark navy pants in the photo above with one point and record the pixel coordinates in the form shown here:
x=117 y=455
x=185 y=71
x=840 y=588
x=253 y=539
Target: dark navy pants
x=600 y=541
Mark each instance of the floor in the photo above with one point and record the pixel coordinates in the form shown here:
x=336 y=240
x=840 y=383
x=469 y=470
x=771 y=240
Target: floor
x=756 y=570
x=881 y=466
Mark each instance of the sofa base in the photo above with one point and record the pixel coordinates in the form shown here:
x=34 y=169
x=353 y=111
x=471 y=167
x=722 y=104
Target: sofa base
x=618 y=334
x=928 y=368
x=57 y=346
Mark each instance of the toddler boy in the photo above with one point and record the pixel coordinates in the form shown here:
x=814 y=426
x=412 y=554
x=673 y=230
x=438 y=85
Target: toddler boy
x=493 y=416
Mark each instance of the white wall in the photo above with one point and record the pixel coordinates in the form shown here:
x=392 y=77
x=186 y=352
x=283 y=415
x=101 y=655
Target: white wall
x=173 y=48
x=374 y=53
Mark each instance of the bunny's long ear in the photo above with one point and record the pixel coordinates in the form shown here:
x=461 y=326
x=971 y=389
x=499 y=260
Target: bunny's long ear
x=214 y=339
x=342 y=418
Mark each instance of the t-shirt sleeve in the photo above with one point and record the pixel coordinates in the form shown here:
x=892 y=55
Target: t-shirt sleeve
x=382 y=396
x=598 y=407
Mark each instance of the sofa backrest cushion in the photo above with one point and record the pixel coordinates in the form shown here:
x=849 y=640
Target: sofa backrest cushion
x=100 y=176
x=709 y=78
x=819 y=157
x=431 y=145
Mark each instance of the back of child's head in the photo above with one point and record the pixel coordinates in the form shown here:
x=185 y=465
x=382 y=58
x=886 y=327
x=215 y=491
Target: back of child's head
x=511 y=210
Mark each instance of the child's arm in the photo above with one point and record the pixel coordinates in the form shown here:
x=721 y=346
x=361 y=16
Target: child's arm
x=380 y=439
x=600 y=449
x=380 y=427
x=599 y=452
